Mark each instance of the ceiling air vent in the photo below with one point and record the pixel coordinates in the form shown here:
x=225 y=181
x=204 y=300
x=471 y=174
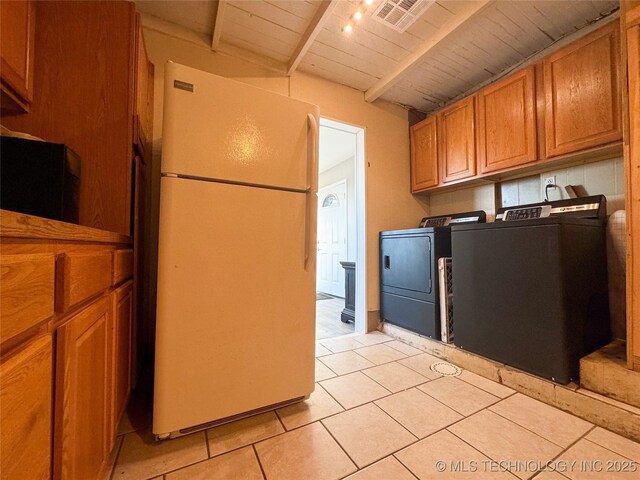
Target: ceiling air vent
x=400 y=14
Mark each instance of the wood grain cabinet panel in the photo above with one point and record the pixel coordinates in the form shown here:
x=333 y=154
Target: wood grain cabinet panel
x=17 y=40
x=456 y=140
x=79 y=276
x=25 y=423
x=122 y=335
x=27 y=293
x=632 y=174
x=84 y=96
x=507 y=122
x=424 y=155
x=582 y=93
x=122 y=265
x=83 y=399
x=144 y=74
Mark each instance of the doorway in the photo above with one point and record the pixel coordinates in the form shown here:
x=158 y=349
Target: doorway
x=339 y=214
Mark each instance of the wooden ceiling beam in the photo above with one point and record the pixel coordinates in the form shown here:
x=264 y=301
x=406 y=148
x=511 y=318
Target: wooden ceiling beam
x=217 y=25
x=393 y=77
x=318 y=20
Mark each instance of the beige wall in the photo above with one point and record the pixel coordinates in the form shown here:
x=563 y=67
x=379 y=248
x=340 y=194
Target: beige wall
x=466 y=200
x=605 y=177
x=389 y=203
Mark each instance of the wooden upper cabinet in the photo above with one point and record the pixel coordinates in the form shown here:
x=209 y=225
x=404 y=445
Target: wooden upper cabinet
x=83 y=97
x=507 y=122
x=424 y=155
x=17 y=40
x=456 y=140
x=582 y=93
x=25 y=424
x=83 y=394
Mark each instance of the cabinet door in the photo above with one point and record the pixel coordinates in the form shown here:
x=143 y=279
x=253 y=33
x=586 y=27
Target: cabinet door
x=632 y=18
x=122 y=304
x=507 y=122
x=25 y=425
x=82 y=407
x=424 y=155
x=456 y=142
x=582 y=93
x=17 y=38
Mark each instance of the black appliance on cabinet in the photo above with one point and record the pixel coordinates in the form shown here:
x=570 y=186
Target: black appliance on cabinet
x=409 y=291
x=530 y=290
x=39 y=178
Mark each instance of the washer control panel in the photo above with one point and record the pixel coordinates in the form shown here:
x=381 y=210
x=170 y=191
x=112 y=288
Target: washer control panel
x=527 y=213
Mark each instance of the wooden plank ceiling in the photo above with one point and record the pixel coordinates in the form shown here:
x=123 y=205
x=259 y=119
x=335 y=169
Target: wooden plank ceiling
x=454 y=45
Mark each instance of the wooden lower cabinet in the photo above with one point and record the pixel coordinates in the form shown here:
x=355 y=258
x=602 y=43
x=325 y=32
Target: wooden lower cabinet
x=83 y=432
x=122 y=307
x=25 y=400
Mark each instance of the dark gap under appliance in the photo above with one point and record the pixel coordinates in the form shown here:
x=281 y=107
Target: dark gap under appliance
x=409 y=291
x=530 y=289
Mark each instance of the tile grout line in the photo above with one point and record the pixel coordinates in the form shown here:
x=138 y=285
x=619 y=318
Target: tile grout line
x=531 y=431
x=460 y=413
x=478 y=450
x=406 y=466
x=339 y=445
x=568 y=447
x=183 y=467
x=355 y=350
x=607 y=448
x=255 y=452
x=280 y=420
x=427 y=380
x=487 y=379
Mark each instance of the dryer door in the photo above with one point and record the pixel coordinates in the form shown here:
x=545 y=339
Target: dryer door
x=407 y=265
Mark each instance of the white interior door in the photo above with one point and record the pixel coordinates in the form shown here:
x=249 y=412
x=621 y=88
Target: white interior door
x=332 y=238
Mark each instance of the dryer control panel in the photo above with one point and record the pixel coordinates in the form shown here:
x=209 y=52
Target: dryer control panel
x=478 y=216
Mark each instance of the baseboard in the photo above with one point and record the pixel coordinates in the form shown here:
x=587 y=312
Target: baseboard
x=373 y=320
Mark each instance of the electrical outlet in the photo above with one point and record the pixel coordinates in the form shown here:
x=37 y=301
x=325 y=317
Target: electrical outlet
x=551 y=180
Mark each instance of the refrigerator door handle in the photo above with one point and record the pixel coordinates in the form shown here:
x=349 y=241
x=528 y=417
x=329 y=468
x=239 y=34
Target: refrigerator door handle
x=312 y=185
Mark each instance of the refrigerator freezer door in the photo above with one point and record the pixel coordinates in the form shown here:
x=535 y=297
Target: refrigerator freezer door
x=218 y=128
x=236 y=307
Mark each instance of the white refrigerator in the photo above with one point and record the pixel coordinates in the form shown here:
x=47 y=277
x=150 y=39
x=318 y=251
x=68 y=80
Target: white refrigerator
x=235 y=327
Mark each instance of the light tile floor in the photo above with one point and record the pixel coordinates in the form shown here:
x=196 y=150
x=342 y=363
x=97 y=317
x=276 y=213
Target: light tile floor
x=379 y=412
x=328 y=323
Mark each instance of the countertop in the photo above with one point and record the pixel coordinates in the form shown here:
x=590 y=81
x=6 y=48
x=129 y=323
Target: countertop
x=22 y=226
